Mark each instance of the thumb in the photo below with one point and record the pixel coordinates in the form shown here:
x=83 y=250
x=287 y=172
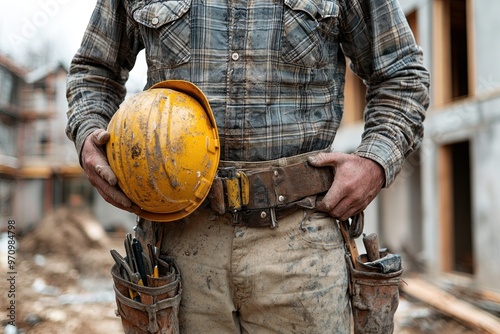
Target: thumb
x=326 y=159
x=101 y=137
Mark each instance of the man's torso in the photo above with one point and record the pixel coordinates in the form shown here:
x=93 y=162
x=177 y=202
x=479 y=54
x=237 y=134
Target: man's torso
x=272 y=70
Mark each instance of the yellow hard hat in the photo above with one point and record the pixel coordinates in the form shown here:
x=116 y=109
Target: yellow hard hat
x=164 y=149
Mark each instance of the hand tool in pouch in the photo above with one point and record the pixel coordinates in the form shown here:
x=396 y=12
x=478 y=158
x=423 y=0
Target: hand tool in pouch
x=156 y=281
x=126 y=272
x=376 y=259
x=130 y=254
x=371 y=246
x=350 y=243
x=154 y=261
x=374 y=283
x=137 y=250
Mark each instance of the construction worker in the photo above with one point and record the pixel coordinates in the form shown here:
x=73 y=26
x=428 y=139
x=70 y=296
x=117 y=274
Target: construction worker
x=273 y=72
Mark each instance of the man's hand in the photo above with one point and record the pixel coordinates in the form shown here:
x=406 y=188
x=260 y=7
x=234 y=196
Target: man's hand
x=356 y=182
x=96 y=166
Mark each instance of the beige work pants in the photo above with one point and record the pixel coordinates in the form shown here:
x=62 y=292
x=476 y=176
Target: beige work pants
x=237 y=279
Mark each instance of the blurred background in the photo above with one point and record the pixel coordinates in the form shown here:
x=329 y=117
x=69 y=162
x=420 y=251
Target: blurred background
x=442 y=213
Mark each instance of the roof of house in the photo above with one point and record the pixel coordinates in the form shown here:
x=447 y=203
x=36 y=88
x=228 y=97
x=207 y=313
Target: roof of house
x=31 y=76
x=43 y=71
x=12 y=66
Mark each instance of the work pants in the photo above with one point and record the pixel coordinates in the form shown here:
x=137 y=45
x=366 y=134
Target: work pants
x=238 y=279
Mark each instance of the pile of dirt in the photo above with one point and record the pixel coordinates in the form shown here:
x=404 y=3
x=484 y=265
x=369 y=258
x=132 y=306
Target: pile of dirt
x=63 y=282
x=70 y=234
x=67 y=231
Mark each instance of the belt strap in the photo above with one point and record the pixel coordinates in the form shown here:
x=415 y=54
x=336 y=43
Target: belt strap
x=261 y=191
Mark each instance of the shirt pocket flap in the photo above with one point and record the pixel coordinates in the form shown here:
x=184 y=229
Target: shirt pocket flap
x=157 y=14
x=317 y=9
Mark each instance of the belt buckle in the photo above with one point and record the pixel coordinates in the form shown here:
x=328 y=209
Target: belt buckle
x=237 y=219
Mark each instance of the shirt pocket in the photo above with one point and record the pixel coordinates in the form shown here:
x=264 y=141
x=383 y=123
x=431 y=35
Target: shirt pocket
x=165 y=27
x=309 y=35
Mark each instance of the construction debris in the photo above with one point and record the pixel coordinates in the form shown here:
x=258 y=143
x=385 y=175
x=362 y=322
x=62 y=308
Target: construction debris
x=64 y=277
x=65 y=284
x=446 y=303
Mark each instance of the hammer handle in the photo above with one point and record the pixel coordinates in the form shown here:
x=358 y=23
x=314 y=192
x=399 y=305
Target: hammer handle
x=371 y=245
x=351 y=243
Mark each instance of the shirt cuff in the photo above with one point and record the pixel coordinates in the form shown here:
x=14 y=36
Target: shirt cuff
x=83 y=133
x=381 y=150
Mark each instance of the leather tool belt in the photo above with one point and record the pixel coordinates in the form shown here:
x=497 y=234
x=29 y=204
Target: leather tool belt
x=258 y=193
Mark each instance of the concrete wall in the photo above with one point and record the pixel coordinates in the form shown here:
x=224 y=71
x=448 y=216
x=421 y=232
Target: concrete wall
x=476 y=120
x=28 y=202
x=406 y=215
x=486 y=199
x=109 y=216
x=486 y=45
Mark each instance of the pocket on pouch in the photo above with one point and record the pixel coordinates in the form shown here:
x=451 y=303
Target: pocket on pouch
x=158 y=309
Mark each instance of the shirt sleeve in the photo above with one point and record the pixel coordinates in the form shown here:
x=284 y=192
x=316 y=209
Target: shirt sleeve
x=99 y=70
x=375 y=35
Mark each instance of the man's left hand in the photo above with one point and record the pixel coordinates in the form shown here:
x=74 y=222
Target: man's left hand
x=357 y=182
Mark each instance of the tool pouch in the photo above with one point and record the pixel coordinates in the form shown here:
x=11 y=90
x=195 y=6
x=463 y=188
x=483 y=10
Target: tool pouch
x=374 y=299
x=156 y=309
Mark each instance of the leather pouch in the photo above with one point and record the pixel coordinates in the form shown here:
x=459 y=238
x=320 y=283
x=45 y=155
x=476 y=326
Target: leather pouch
x=374 y=299
x=156 y=309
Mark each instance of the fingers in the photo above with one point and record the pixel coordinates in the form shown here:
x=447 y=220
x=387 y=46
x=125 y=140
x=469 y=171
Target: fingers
x=111 y=194
x=105 y=171
x=94 y=155
x=336 y=201
x=356 y=183
x=100 y=174
x=343 y=210
x=341 y=201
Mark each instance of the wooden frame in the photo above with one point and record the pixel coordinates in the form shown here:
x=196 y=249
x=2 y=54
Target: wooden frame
x=445 y=176
x=442 y=53
x=354 y=97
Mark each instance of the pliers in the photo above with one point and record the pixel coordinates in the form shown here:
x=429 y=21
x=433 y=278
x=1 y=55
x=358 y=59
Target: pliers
x=126 y=273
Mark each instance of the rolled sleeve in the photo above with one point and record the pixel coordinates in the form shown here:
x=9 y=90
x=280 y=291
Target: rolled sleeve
x=384 y=54
x=98 y=72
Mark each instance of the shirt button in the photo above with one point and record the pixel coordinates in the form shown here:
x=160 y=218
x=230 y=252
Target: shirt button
x=155 y=21
x=235 y=56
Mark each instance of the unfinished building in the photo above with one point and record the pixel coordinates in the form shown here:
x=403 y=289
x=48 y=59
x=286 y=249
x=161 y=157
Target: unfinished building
x=39 y=168
x=443 y=210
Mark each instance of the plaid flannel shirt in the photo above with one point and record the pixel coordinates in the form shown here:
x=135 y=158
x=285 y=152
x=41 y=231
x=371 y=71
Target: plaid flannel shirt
x=273 y=71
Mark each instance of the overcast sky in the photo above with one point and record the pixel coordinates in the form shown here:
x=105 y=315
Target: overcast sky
x=29 y=24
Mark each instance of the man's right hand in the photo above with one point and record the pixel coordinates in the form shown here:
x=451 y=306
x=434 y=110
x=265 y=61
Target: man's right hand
x=96 y=166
